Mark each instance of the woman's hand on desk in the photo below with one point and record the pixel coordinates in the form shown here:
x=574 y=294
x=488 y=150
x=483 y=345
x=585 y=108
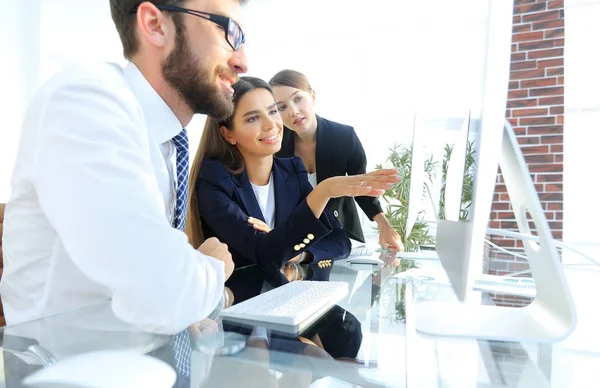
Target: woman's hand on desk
x=388 y=237
x=214 y=248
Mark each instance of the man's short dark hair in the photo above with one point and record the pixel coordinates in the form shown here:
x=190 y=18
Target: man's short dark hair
x=123 y=13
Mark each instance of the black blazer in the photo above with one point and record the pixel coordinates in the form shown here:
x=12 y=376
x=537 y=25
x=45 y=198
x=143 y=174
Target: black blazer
x=226 y=201
x=339 y=152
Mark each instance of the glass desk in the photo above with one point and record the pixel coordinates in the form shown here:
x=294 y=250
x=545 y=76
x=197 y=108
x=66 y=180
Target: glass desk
x=392 y=353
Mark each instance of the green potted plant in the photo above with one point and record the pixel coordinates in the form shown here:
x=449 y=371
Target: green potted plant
x=400 y=157
x=468 y=181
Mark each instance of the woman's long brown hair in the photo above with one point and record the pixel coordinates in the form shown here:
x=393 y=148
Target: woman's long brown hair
x=214 y=146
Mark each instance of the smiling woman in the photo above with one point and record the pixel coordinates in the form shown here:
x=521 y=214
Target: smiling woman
x=265 y=209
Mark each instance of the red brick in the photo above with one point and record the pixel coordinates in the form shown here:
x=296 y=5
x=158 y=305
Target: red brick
x=506 y=215
x=558 y=216
x=538 y=54
x=527 y=102
x=529 y=112
x=521 y=28
x=549 y=24
x=517 y=94
x=519 y=2
x=560 y=90
x=513 y=48
x=494 y=224
x=554 y=33
x=553 y=187
x=539 y=159
x=555 y=206
x=551 y=71
x=548 y=120
x=513 y=85
x=538 y=16
x=544 y=168
x=527 y=36
x=560 y=80
x=508 y=225
x=504 y=197
x=500 y=206
x=556 y=225
x=507 y=113
x=524 y=65
x=559 y=42
x=549 y=178
x=527 y=8
x=516 y=19
x=545 y=130
x=556 y=4
x=540 y=149
x=532 y=83
x=558 y=100
x=535 y=45
x=549 y=215
x=555 y=62
x=556 y=148
x=558 y=158
x=527 y=74
x=500 y=188
x=528 y=139
x=515 y=57
x=560 y=119
x=551 y=197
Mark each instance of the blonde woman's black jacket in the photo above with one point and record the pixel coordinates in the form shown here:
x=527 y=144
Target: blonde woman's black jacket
x=339 y=152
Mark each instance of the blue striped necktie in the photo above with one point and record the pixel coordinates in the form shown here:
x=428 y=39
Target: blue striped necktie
x=181 y=341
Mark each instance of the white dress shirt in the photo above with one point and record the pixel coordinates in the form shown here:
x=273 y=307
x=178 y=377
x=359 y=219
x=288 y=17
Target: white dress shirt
x=92 y=201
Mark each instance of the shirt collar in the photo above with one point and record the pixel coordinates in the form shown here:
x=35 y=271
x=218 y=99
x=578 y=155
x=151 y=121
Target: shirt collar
x=162 y=123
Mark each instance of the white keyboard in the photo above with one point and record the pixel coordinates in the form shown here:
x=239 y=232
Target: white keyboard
x=290 y=304
x=484 y=282
x=361 y=250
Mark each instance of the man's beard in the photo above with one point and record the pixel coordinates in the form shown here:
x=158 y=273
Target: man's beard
x=192 y=81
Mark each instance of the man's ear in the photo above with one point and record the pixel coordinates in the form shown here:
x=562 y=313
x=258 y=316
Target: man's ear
x=227 y=135
x=153 y=26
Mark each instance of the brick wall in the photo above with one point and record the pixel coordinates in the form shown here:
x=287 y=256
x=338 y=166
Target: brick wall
x=535 y=108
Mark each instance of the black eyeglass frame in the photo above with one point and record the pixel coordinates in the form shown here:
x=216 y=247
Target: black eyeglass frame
x=220 y=20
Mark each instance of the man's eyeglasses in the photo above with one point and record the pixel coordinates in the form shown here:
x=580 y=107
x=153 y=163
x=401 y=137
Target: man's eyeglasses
x=233 y=32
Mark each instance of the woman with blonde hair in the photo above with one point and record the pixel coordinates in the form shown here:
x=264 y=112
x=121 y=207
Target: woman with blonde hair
x=327 y=149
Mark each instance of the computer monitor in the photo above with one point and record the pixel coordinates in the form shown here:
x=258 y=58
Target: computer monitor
x=433 y=130
x=460 y=244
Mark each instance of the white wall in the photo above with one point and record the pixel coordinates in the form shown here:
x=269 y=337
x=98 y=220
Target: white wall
x=373 y=66
x=581 y=140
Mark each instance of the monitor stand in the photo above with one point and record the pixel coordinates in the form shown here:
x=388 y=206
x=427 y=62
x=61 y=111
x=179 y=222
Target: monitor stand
x=551 y=315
